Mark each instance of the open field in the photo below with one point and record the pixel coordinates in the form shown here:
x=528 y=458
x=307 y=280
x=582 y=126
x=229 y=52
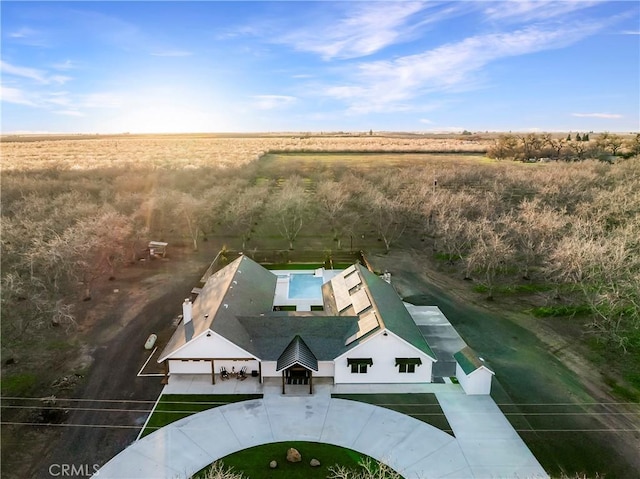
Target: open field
x=77 y=216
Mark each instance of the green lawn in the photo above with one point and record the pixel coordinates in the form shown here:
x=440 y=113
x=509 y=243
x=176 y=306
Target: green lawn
x=254 y=462
x=424 y=407
x=173 y=407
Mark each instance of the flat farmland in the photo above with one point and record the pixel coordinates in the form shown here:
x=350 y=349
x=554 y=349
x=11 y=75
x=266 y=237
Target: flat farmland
x=281 y=163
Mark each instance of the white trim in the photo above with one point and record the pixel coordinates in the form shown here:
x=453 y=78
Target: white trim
x=171 y=355
x=382 y=331
x=150 y=414
x=478 y=369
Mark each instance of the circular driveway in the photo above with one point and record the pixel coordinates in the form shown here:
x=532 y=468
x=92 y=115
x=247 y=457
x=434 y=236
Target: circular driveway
x=411 y=447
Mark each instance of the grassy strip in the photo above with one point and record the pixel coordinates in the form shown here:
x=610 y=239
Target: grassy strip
x=19 y=384
x=423 y=407
x=560 y=311
x=173 y=407
x=254 y=462
x=515 y=288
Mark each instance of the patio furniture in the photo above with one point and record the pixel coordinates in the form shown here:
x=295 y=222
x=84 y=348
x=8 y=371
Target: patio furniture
x=242 y=375
x=223 y=373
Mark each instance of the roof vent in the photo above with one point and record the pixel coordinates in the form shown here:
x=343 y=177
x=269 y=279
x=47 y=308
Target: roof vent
x=226 y=306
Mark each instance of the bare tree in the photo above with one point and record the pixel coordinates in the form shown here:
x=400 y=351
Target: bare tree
x=244 y=209
x=490 y=255
x=332 y=201
x=289 y=207
x=610 y=142
x=535 y=229
x=386 y=215
x=504 y=147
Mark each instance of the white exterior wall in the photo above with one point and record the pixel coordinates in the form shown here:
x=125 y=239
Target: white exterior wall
x=190 y=367
x=478 y=382
x=207 y=347
x=269 y=369
x=383 y=350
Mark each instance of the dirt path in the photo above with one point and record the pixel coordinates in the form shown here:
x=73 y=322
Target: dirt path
x=535 y=365
x=118 y=325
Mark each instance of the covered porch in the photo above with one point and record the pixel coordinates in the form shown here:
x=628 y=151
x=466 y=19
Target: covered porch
x=297 y=364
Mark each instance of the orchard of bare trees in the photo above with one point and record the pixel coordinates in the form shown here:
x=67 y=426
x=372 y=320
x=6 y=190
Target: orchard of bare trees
x=577 y=147
x=570 y=231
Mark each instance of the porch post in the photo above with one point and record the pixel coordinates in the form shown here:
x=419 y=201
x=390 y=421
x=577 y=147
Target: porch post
x=283 y=392
x=165 y=379
x=310 y=382
x=260 y=371
x=213 y=372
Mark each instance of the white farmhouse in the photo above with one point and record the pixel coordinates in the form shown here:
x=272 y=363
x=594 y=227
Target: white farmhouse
x=363 y=334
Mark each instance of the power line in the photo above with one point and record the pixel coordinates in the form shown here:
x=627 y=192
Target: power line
x=114 y=426
x=134 y=401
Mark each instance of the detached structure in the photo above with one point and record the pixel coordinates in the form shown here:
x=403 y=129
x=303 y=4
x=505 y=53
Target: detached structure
x=364 y=334
x=473 y=374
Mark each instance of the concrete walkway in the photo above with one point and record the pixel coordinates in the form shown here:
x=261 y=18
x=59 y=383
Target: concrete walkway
x=485 y=445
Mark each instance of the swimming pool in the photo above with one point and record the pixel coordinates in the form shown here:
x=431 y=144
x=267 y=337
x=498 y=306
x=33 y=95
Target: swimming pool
x=305 y=286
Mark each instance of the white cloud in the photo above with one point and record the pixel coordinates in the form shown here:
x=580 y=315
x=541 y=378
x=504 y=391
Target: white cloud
x=365 y=29
x=35 y=74
x=393 y=85
x=426 y=121
x=269 y=102
x=65 y=65
x=15 y=95
x=534 y=10
x=29 y=37
x=24 y=72
x=605 y=116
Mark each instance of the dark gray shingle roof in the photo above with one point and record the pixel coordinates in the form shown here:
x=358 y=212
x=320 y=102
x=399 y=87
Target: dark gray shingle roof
x=241 y=288
x=297 y=352
x=325 y=335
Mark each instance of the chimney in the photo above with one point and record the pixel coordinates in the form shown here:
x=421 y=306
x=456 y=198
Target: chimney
x=186 y=310
x=186 y=315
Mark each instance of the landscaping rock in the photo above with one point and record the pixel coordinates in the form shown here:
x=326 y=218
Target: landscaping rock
x=273 y=464
x=293 y=455
x=314 y=463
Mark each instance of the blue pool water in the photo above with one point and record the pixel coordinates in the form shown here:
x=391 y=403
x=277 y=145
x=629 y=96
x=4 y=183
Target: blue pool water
x=305 y=286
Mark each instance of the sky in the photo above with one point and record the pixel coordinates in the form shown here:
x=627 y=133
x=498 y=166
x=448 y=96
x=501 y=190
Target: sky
x=174 y=67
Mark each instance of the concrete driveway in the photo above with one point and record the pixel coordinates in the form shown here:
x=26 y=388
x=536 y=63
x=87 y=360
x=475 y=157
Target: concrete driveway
x=486 y=448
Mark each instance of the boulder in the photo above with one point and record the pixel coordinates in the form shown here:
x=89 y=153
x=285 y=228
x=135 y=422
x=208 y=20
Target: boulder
x=273 y=464
x=314 y=463
x=293 y=455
